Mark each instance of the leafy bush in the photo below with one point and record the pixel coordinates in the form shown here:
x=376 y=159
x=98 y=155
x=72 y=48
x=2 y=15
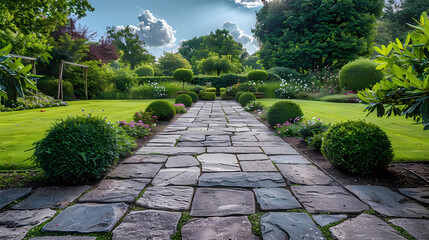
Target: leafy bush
x=32 y=102
x=183 y=75
x=231 y=91
x=135 y=129
x=237 y=95
x=357 y=147
x=197 y=89
x=359 y=74
x=245 y=98
x=247 y=87
x=146 y=118
x=287 y=91
x=180 y=108
x=210 y=90
x=50 y=88
x=194 y=96
x=342 y=98
x=269 y=89
x=225 y=96
x=144 y=71
x=77 y=150
x=315 y=142
x=254 y=106
x=272 y=77
x=257 y=75
x=305 y=95
x=283 y=111
x=123 y=80
x=284 y=73
x=208 y=96
x=222 y=90
x=163 y=109
x=289 y=129
x=313 y=127
x=185 y=99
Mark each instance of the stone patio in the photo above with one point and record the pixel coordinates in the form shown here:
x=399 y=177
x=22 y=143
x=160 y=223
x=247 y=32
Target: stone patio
x=219 y=165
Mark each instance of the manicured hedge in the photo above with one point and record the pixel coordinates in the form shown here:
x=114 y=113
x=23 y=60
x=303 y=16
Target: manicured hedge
x=220 y=81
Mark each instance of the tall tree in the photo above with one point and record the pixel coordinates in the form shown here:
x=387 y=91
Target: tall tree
x=169 y=62
x=304 y=34
x=215 y=65
x=104 y=50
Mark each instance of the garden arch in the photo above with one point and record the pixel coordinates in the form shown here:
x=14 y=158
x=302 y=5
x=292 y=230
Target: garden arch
x=60 y=79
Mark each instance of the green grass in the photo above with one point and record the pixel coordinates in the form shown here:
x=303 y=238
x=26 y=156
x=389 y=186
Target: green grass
x=410 y=142
x=20 y=129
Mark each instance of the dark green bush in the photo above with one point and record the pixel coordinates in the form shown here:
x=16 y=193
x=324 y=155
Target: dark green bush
x=231 y=91
x=144 y=71
x=245 y=98
x=225 y=96
x=312 y=128
x=359 y=74
x=237 y=95
x=77 y=150
x=315 y=142
x=185 y=99
x=193 y=95
x=283 y=111
x=357 y=147
x=163 y=109
x=272 y=77
x=222 y=90
x=305 y=95
x=210 y=90
x=208 y=96
x=285 y=73
x=123 y=80
x=257 y=75
x=247 y=87
x=197 y=89
x=183 y=75
x=50 y=88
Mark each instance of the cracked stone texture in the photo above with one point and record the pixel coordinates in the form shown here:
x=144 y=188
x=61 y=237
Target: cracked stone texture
x=258 y=166
x=20 y=218
x=192 y=138
x=177 y=176
x=9 y=196
x=238 y=228
x=324 y=220
x=364 y=227
x=234 y=150
x=418 y=228
x=172 y=150
x=87 y=218
x=275 y=199
x=148 y=224
x=146 y=159
x=172 y=198
x=304 y=175
x=51 y=197
x=283 y=150
x=142 y=170
x=282 y=225
x=258 y=144
x=110 y=191
x=420 y=194
x=330 y=199
x=252 y=157
x=388 y=203
x=64 y=238
x=181 y=161
x=242 y=179
x=14 y=233
x=212 y=202
x=219 y=163
x=289 y=159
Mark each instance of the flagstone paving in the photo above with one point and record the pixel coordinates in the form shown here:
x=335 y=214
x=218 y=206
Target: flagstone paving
x=214 y=167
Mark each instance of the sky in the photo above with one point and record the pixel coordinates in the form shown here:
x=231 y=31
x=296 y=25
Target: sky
x=163 y=24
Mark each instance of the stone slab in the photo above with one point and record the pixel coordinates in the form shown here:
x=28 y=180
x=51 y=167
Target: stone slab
x=167 y=198
x=387 y=202
x=143 y=170
x=252 y=157
x=324 y=220
x=148 y=224
x=258 y=166
x=9 y=196
x=268 y=137
x=420 y=194
x=275 y=199
x=238 y=228
x=282 y=225
x=418 y=228
x=177 y=176
x=244 y=138
x=219 y=163
x=213 y=202
x=192 y=138
x=14 y=233
x=171 y=150
x=304 y=175
x=283 y=150
x=289 y=159
x=364 y=227
x=190 y=144
x=258 y=144
x=111 y=191
x=87 y=218
x=329 y=199
x=64 y=238
x=234 y=150
x=20 y=218
x=181 y=161
x=51 y=197
x=215 y=144
x=146 y=159
x=242 y=179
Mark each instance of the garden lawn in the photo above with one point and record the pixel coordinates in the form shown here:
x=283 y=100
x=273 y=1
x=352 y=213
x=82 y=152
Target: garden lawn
x=20 y=129
x=410 y=142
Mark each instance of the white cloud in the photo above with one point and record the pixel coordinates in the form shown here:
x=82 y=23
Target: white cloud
x=249 y=3
x=239 y=35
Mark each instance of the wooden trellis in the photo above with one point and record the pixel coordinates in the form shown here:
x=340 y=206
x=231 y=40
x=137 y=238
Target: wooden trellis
x=60 y=79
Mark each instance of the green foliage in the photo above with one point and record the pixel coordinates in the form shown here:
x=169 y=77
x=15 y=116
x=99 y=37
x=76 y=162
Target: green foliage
x=405 y=89
x=220 y=81
x=283 y=111
x=123 y=79
x=180 y=108
x=359 y=74
x=315 y=141
x=257 y=75
x=310 y=129
x=245 y=98
x=163 y=109
x=252 y=61
x=269 y=89
x=50 y=88
x=185 y=99
x=247 y=87
x=135 y=129
x=254 y=106
x=169 y=62
x=305 y=34
x=155 y=79
x=183 y=75
x=210 y=90
x=222 y=90
x=208 y=95
x=238 y=95
x=145 y=118
x=32 y=102
x=225 y=96
x=357 y=147
x=193 y=95
x=215 y=65
x=144 y=71
x=288 y=129
x=77 y=150
x=342 y=98
x=285 y=73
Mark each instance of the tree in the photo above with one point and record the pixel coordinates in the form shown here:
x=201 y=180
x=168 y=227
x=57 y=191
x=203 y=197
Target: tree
x=303 y=34
x=130 y=45
x=183 y=75
x=252 y=61
x=169 y=62
x=104 y=50
x=215 y=65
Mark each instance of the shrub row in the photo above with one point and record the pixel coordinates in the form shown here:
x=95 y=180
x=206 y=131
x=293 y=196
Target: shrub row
x=219 y=81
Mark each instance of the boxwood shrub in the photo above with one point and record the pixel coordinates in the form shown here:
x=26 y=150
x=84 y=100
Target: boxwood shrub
x=163 y=109
x=144 y=71
x=193 y=95
x=245 y=98
x=283 y=111
x=359 y=74
x=237 y=95
x=185 y=99
x=208 y=95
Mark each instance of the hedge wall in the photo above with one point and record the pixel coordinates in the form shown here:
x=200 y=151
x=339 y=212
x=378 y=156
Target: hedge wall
x=220 y=81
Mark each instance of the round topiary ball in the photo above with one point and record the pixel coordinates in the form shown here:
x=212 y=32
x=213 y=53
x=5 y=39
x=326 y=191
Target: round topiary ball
x=193 y=95
x=245 y=98
x=185 y=99
x=357 y=147
x=237 y=95
x=257 y=75
x=163 y=109
x=283 y=111
x=360 y=74
x=144 y=71
x=77 y=150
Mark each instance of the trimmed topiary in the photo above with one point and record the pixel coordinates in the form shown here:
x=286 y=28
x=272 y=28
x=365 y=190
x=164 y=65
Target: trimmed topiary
x=359 y=74
x=208 y=96
x=144 y=71
x=163 y=109
x=257 y=75
x=357 y=147
x=283 y=111
x=212 y=89
x=193 y=95
x=245 y=98
x=237 y=95
x=185 y=99
x=183 y=75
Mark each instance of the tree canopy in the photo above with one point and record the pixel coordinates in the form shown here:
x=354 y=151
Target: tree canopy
x=215 y=65
x=169 y=62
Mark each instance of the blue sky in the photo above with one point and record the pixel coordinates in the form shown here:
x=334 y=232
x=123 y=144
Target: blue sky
x=164 y=23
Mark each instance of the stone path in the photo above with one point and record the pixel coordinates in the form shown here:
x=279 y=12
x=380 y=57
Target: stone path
x=217 y=165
